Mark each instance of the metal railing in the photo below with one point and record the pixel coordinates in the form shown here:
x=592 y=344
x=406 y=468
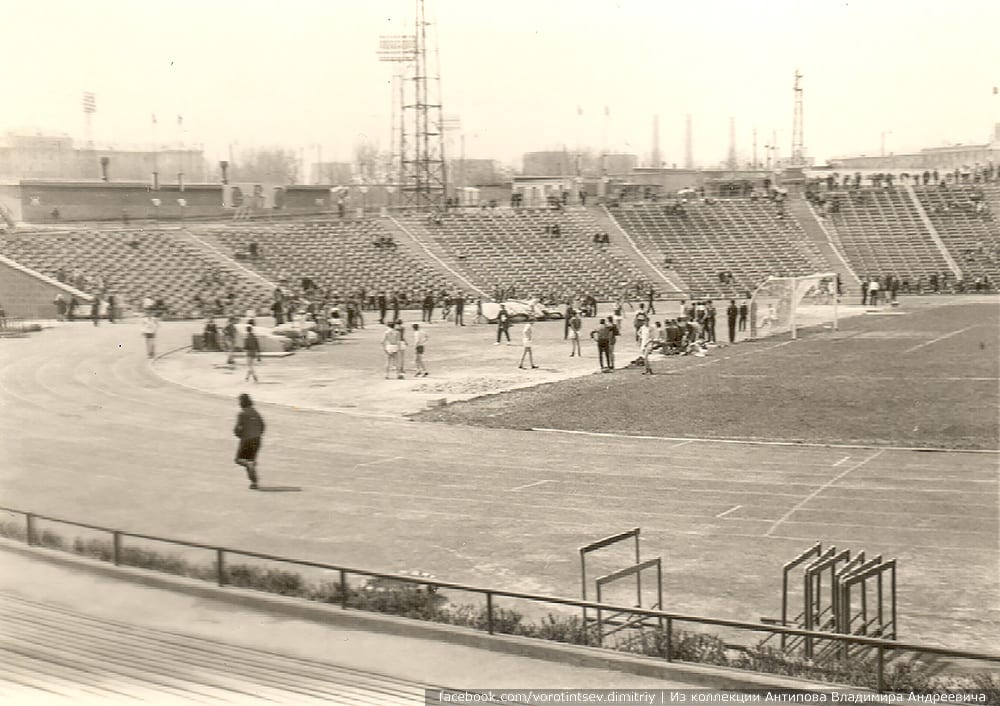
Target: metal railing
x=667 y=619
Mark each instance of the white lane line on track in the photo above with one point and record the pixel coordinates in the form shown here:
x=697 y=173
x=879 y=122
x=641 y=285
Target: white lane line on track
x=763 y=442
x=820 y=489
x=845 y=458
x=734 y=508
x=939 y=338
x=376 y=462
x=528 y=485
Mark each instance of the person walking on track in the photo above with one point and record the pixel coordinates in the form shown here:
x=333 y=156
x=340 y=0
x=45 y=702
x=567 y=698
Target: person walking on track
x=249 y=429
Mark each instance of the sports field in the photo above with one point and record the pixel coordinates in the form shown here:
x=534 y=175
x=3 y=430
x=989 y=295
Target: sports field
x=916 y=377
x=92 y=432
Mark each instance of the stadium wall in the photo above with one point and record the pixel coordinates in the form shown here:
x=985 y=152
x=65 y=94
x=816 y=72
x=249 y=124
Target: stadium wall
x=45 y=201
x=25 y=296
x=51 y=202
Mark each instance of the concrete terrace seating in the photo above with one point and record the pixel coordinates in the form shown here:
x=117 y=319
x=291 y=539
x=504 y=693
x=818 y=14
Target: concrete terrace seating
x=972 y=238
x=747 y=238
x=511 y=248
x=882 y=234
x=134 y=264
x=339 y=255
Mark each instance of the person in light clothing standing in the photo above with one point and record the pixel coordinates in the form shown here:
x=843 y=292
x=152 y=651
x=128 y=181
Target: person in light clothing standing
x=148 y=326
x=574 y=335
x=645 y=347
x=390 y=344
x=419 y=346
x=527 y=334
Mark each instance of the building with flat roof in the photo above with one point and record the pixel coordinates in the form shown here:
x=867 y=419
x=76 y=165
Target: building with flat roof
x=37 y=156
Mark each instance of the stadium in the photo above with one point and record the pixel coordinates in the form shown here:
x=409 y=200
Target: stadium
x=599 y=422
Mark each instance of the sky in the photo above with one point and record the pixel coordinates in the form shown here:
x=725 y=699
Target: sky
x=519 y=75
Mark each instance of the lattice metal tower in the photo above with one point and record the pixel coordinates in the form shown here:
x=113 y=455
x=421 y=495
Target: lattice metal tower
x=656 y=158
x=421 y=176
x=731 y=159
x=688 y=147
x=798 y=153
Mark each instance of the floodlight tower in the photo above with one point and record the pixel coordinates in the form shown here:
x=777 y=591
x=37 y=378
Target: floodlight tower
x=798 y=156
x=421 y=161
x=398 y=49
x=731 y=159
x=688 y=148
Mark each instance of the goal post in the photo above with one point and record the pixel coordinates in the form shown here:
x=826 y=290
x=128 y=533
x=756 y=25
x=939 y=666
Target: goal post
x=786 y=304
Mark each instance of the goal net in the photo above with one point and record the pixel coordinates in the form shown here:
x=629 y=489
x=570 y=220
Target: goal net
x=785 y=304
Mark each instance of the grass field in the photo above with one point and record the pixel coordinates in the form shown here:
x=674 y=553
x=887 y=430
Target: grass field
x=927 y=377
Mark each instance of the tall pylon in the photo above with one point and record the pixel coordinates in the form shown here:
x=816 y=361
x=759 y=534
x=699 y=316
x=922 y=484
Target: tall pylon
x=422 y=175
x=731 y=159
x=798 y=153
x=688 y=148
x=656 y=159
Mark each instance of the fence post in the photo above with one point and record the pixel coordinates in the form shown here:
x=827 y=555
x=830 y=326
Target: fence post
x=30 y=523
x=489 y=611
x=343 y=589
x=220 y=566
x=116 y=547
x=880 y=678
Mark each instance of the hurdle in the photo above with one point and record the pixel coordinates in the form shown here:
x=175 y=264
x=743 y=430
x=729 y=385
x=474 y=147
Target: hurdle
x=817 y=616
x=601 y=544
x=814 y=550
x=628 y=623
x=830 y=580
x=875 y=569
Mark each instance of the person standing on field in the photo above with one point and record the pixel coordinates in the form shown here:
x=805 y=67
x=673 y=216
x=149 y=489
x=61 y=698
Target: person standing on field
x=420 y=345
x=148 y=327
x=503 y=324
x=252 y=346
x=574 y=335
x=249 y=429
x=645 y=347
x=229 y=341
x=602 y=335
x=527 y=334
x=390 y=344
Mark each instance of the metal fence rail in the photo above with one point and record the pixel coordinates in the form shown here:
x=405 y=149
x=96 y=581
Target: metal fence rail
x=666 y=618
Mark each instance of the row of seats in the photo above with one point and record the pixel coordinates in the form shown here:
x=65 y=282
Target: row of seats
x=880 y=232
x=342 y=256
x=519 y=249
x=972 y=237
x=751 y=239
x=134 y=264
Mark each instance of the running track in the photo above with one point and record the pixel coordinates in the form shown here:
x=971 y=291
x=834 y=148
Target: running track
x=90 y=433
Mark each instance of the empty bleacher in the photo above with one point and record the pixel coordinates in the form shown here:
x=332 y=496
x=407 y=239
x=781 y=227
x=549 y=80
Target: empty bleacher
x=510 y=248
x=970 y=232
x=133 y=264
x=342 y=256
x=748 y=238
x=881 y=233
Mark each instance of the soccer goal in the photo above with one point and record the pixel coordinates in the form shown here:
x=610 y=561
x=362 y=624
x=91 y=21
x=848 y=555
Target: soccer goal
x=786 y=304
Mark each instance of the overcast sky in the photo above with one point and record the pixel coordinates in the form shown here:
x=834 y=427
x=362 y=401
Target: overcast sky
x=301 y=73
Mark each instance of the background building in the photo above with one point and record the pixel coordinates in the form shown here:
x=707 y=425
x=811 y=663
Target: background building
x=24 y=156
